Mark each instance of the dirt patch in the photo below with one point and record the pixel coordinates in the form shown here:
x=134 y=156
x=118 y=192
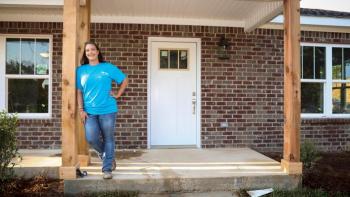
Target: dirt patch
x=127 y=154
x=38 y=186
x=123 y=154
x=120 y=154
x=330 y=173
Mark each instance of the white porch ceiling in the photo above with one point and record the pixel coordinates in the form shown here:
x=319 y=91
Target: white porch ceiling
x=233 y=13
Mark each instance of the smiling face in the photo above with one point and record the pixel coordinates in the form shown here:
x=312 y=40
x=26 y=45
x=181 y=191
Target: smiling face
x=91 y=52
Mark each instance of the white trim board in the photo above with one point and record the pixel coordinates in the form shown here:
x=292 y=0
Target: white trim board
x=36 y=3
x=2 y=73
x=317 y=21
x=198 y=84
x=309 y=28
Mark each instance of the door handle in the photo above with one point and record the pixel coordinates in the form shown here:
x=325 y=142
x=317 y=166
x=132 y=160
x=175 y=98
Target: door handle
x=193 y=106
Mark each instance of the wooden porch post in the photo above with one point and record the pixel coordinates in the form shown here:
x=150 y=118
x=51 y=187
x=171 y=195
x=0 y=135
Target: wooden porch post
x=69 y=62
x=292 y=102
x=84 y=35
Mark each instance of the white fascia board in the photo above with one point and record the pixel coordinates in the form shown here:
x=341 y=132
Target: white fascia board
x=319 y=21
x=308 y=28
x=263 y=14
x=31 y=2
x=163 y=20
x=35 y=3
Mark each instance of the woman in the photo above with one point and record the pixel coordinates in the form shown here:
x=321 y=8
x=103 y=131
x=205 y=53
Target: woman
x=97 y=103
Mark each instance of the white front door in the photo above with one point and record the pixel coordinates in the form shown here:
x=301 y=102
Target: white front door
x=173 y=96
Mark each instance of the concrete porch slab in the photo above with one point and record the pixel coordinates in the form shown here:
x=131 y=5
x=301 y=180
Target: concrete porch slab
x=186 y=170
x=168 y=171
x=38 y=162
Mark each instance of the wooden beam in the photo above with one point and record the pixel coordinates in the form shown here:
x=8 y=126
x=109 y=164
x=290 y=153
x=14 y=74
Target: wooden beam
x=292 y=102
x=84 y=35
x=69 y=62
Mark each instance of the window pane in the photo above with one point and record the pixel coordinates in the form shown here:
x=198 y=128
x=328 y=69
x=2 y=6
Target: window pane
x=42 y=57
x=311 y=97
x=308 y=62
x=174 y=59
x=347 y=62
x=27 y=56
x=12 y=55
x=320 y=62
x=164 y=56
x=28 y=95
x=183 y=59
x=337 y=63
x=341 y=97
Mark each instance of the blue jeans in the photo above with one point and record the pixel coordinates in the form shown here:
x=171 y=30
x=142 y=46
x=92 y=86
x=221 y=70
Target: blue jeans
x=99 y=132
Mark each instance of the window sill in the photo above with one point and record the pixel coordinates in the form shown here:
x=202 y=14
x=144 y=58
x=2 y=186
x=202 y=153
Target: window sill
x=322 y=116
x=316 y=119
x=26 y=116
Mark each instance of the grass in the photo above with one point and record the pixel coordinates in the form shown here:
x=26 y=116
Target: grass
x=301 y=192
x=115 y=193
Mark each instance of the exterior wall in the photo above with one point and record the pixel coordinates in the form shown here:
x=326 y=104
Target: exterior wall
x=44 y=133
x=327 y=134
x=245 y=91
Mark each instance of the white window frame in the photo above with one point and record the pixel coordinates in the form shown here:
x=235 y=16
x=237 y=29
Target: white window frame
x=327 y=89
x=3 y=77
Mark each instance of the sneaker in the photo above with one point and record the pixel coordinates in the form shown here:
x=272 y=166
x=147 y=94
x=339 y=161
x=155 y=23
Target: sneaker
x=101 y=155
x=107 y=175
x=114 y=165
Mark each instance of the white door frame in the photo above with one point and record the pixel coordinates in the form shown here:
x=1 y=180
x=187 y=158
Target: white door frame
x=197 y=41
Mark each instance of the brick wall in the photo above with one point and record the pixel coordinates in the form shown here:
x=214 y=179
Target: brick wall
x=245 y=91
x=42 y=133
x=327 y=134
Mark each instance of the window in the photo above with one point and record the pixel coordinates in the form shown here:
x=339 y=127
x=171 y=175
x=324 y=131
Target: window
x=325 y=80
x=26 y=76
x=173 y=59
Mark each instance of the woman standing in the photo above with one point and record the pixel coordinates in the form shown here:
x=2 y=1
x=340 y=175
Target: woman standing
x=97 y=104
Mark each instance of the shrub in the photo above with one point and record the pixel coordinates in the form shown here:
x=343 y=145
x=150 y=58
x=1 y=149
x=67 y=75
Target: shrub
x=8 y=148
x=308 y=153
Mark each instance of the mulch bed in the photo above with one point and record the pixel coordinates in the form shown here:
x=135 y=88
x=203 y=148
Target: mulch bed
x=330 y=173
x=38 y=186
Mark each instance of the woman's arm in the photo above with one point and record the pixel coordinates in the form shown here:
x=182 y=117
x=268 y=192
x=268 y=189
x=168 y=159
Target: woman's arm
x=80 y=100
x=82 y=113
x=121 y=88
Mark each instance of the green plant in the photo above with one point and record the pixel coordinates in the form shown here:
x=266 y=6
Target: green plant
x=299 y=192
x=115 y=193
x=308 y=153
x=8 y=148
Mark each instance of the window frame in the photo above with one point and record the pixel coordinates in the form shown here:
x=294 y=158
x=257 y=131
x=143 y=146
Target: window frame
x=328 y=81
x=4 y=76
x=178 y=59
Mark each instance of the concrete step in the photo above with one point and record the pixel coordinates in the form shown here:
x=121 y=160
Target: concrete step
x=180 y=184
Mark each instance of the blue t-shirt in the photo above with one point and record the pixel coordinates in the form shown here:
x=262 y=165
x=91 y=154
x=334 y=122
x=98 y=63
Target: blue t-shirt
x=95 y=83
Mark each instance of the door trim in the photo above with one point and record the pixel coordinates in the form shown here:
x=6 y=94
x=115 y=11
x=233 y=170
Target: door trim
x=197 y=41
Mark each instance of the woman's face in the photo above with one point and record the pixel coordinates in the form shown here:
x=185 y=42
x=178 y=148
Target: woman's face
x=91 y=52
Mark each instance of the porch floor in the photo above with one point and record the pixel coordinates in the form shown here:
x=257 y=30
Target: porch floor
x=171 y=170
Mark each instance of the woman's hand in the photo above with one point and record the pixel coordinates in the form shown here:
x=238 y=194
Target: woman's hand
x=114 y=96
x=83 y=116
x=121 y=89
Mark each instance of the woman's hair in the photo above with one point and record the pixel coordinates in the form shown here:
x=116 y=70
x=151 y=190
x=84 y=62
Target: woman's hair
x=85 y=60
